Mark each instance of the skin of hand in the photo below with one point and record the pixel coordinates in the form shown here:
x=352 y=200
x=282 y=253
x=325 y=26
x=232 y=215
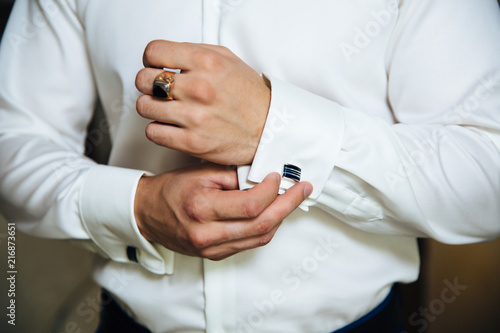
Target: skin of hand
x=199 y=211
x=220 y=103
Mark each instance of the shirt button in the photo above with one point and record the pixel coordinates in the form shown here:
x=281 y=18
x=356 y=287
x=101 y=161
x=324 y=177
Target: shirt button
x=132 y=253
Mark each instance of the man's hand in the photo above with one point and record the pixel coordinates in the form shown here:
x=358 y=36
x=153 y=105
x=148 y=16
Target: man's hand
x=199 y=211
x=220 y=104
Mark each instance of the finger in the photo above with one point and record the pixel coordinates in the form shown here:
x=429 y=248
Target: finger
x=163 y=53
x=185 y=56
x=165 y=135
x=286 y=203
x=227 y=249
x=223 y=50
x=273 y=214
x=235 y=205
x=186 y=86
x=253 y=230
x=225 y=177
x=182 y=139
x=212 y=233
x=145 y=79
x=152 y=108
x=234 y=233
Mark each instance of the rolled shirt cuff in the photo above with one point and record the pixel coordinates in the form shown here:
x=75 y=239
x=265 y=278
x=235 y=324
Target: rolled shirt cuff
x=107 y=211
x=303 y=130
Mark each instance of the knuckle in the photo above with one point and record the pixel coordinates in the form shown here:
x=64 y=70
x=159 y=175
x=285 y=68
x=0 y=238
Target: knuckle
x=251 y=208
x=140 y=79
x=150 y=132
x=203 y=91
x=154 y=134
x=151 y=49
x=196 y=145
x=205 y=254
x=209 y=254
x=193 y=212
x=192 y=145
x=198 y=206
x=224 y=50
x=263 y=227
x=198 y=118
x=139 y=105
x=210 y=60
x=264 y=240
x=198 y=240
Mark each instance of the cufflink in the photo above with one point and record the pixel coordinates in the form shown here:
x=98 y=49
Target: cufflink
x=292 y=172
x=132 y=253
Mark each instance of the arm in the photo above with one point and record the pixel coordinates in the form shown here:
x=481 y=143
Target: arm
x=200 y=211
x=434 y=173
x=47 y=97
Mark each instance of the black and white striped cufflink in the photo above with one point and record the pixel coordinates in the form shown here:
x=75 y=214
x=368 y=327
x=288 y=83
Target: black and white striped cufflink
x=292 y=172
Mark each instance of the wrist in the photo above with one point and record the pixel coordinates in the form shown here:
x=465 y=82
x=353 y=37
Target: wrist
x=142 y=201
x=265 y=98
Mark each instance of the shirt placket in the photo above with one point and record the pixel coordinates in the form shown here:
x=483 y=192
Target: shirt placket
x=219 y=277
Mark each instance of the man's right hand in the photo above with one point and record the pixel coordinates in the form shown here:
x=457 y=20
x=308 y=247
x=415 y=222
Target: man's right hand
x=199 y=211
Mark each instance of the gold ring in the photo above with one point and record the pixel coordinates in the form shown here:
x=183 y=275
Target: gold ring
x=164 y=85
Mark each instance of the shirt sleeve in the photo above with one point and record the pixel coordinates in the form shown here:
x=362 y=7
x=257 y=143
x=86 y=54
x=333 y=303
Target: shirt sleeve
x=47 y=185
x=434 y=173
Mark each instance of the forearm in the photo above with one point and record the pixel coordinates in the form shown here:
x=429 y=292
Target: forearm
x=435 y=171
x=426 y=181
x=47 y=185
x=40 y=183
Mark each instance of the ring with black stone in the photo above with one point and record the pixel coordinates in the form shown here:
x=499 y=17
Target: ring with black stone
x=163 y=85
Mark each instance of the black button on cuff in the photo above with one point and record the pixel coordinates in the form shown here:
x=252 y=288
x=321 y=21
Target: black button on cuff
x=132 y=253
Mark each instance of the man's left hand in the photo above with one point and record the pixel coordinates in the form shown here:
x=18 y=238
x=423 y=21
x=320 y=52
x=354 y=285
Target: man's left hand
x=220 y=103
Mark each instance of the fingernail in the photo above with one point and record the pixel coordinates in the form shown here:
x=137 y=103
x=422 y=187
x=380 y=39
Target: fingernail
x=308 y=189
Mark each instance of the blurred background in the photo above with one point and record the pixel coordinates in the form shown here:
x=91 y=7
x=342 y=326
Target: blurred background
x=55 y=294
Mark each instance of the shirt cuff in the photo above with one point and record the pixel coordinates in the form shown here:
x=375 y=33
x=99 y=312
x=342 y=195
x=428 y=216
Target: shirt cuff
x=302 y=129
x=107 y=211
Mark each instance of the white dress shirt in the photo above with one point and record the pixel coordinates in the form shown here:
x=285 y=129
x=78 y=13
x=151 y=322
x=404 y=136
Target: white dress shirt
x=391 y=108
